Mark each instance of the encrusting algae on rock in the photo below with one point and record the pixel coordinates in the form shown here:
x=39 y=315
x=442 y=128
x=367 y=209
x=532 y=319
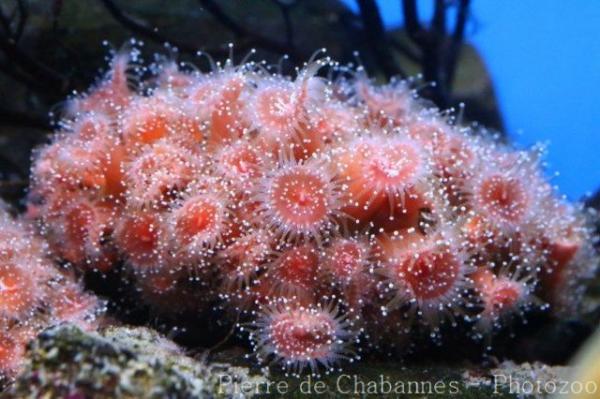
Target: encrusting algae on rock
x=121 y=362
x=328 y=215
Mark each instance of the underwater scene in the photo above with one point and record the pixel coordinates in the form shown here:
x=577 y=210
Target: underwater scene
x=285 y=198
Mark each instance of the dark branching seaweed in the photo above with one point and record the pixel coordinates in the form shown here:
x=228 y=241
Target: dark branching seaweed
x=437 y=50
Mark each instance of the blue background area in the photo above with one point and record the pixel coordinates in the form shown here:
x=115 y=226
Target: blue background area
x=544 y=59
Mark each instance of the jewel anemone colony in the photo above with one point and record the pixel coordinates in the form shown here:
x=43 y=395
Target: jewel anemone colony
x=328 y=215
x=34 y=294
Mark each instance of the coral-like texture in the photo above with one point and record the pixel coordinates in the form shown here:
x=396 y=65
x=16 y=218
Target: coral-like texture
x=328 y=211
x=34 y=294
x=122 y=363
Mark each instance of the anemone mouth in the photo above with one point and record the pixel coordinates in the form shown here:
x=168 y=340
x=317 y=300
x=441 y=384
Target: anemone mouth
x=345 y=259
x=300 y=201
x=198 y=227
x=394 y=167
x=295 y=269
x=198 y=219
x=245 y=163
x=239 y=162
x=431 y=274
x=303 y=336
x=300 y=198
x=504 y=198
x=381 y=168
x=425 y=273
x=275 y=108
